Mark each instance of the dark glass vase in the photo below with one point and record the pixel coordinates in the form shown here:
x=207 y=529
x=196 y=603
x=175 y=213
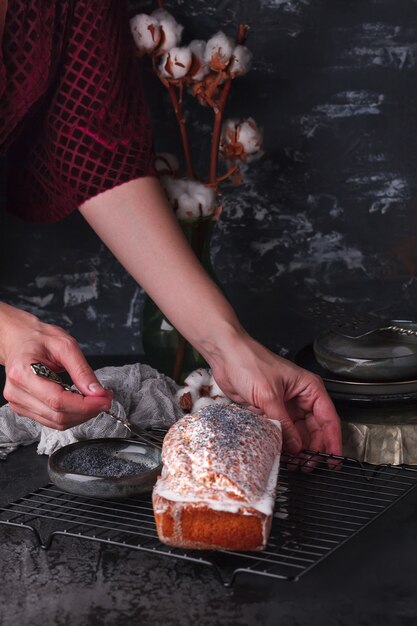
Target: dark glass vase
x=165 y=348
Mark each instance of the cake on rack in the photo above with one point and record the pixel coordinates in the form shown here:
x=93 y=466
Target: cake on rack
x=219 y=478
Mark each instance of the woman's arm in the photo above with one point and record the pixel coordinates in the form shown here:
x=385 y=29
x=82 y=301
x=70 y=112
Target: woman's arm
x=136 y=222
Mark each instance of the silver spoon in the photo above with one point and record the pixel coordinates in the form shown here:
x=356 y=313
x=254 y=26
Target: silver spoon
x=42 y=370
x=351 y=331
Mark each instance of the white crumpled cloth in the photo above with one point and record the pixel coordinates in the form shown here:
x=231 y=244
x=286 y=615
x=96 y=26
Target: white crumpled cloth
x=143 y=395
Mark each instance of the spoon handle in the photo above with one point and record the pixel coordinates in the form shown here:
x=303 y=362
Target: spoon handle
x=40 y=369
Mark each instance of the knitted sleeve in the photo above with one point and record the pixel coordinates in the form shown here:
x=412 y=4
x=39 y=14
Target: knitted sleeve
x=92 y=130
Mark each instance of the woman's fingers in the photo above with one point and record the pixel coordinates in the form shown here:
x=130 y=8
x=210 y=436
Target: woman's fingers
x=313 y=399
x=301 y=460
x=291 y=438
x=36 y=415
x=313 y=404
x=67 y=353
x=61 y=409
x=328 y=421
x=313 y=437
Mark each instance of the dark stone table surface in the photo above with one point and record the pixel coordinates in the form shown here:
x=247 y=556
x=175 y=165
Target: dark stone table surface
x=371 y=580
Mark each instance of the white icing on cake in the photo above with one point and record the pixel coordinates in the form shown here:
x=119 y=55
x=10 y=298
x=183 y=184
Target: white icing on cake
x=224 y=457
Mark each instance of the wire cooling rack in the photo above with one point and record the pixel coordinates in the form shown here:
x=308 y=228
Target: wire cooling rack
x=314 y=515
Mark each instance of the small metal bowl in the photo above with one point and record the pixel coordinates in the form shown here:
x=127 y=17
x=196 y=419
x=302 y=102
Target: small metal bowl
x=383 y=355
x=105 y=468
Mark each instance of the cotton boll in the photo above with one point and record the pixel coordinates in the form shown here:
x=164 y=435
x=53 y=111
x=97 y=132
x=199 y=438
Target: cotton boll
x=218 y=51
x=198 y=47
x=230 y=148
x=223 y=400
x=193 y=391
x=202 y=403
x=240 y=140
x=250 y=136
x=171 y=30
x=215 y=391
x=189 y=198
x=229 y=130
x=188 y=208
x=176 y=63
x=204 y=197
x=199 y=68
x=198 y=378
x=241 y=61
x=146 y=32
x=217 y=394
x=186 y=397
x=202 y=390
x=173 y=188
x=166 y=164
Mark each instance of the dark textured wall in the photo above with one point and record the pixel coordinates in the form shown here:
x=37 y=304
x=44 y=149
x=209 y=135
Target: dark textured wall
x=328 y=212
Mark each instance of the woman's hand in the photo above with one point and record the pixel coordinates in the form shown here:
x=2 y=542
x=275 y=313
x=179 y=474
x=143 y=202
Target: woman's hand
x=24 y=339
x=253 y=376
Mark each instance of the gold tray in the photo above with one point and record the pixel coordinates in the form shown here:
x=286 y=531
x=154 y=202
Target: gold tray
x=380 y=435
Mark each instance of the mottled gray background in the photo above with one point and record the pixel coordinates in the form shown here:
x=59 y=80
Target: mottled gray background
x=329 y=212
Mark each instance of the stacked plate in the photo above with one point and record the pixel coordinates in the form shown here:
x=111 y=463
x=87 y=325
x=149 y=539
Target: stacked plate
x=379 y=367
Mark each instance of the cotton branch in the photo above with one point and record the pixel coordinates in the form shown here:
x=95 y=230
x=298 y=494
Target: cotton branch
x=219 y=114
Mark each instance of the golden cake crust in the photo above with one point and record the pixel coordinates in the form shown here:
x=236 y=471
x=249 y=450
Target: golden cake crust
x=218 y=482
x=197 y=526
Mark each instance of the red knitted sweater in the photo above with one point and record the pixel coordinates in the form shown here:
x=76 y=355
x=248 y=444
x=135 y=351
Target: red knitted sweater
x=73 y=117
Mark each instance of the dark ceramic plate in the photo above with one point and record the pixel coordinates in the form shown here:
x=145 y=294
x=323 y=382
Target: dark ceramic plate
x=105 y=468
x=381 y=356
x=344 y=389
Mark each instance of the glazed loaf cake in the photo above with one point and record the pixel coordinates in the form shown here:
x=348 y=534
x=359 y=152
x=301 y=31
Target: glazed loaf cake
x=219 y=478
